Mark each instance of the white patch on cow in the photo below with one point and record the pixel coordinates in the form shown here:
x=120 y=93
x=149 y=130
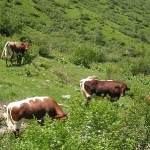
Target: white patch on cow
x=10 y=123
x=17 y=124
x=105 y=80
x=83 y=80
x=27 y=100
x=90 y=78
x=5 y=50
x=85 y=94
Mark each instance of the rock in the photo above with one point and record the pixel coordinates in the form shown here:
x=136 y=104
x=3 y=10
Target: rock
x=66 y=96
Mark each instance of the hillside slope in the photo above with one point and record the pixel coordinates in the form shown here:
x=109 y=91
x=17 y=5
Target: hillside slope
x=73 y=39
x=101 y=24
x=57 y=29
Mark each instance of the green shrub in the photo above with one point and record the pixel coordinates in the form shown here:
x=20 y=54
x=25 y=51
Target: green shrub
x=141 y=66
x=85 y=55
x=45 y=51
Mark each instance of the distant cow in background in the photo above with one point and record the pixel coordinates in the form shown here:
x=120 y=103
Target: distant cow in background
x=148 y=100
x=15 y=49
x=90 y=86
x=38 y=107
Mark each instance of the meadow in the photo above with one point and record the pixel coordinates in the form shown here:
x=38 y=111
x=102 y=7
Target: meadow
x=70 y=41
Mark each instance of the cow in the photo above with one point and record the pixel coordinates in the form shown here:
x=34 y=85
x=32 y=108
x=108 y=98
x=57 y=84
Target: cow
x=14 y=49
x=29 y=108
x=91 y=85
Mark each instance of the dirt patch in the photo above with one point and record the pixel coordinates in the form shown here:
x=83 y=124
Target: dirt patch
x=3 y=127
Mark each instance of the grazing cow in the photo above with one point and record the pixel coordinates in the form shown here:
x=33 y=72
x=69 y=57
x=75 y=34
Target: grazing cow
x=35 y=107
x=14 y=49
x=90 y=86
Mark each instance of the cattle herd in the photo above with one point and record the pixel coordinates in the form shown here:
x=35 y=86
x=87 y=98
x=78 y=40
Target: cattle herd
x=38 y=107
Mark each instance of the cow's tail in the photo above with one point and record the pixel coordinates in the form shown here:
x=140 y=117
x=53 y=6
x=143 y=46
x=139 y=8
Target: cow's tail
x=8 y=114
x=81 y=84
x=9 y=118
x=82 y=87
x=5 y=51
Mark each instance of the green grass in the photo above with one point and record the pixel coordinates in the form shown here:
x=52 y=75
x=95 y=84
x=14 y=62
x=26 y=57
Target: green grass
x=84 y=128
x=58 y=29
x=30 y=80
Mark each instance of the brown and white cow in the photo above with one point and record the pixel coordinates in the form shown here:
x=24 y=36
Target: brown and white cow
x=35 y=107
x=90 y=86
x=15 y=49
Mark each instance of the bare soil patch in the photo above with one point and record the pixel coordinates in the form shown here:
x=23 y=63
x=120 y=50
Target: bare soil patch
x=3 y=127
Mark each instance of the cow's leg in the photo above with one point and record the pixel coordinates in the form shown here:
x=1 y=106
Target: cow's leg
x=41 y=121
x=11 y=58
x=19 y=59
x=16 y=129
x=112 y=98
x=86 y=96
x=87 y=101
x=6 y=62
x=6 y=57
x=118 y=97
x=16 y=133
x=9 y=124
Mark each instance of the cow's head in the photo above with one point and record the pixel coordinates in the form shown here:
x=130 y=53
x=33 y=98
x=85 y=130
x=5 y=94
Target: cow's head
x=61 y=117
x=26 y=45
x=123 y=89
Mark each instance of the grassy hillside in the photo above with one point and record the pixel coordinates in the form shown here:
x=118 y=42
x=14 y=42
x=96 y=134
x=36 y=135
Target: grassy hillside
x=70 y=41
x=119 y=34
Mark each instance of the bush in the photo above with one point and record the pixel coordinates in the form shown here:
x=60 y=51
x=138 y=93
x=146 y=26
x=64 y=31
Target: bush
x=44 y=51
x=9 y=25
x=141 y=66
x=84 y=56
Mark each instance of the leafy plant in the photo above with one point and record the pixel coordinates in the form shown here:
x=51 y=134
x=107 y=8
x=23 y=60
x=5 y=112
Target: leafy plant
x=84 y=56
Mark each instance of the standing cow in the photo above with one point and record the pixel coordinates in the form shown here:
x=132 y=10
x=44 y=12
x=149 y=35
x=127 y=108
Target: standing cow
x=15 y=49
x=35 y=107
x=90 y=86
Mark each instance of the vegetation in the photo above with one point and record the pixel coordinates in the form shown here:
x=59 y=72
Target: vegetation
x=70 y=41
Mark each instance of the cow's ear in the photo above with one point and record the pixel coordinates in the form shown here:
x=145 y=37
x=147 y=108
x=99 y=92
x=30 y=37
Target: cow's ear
x=117 y=87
